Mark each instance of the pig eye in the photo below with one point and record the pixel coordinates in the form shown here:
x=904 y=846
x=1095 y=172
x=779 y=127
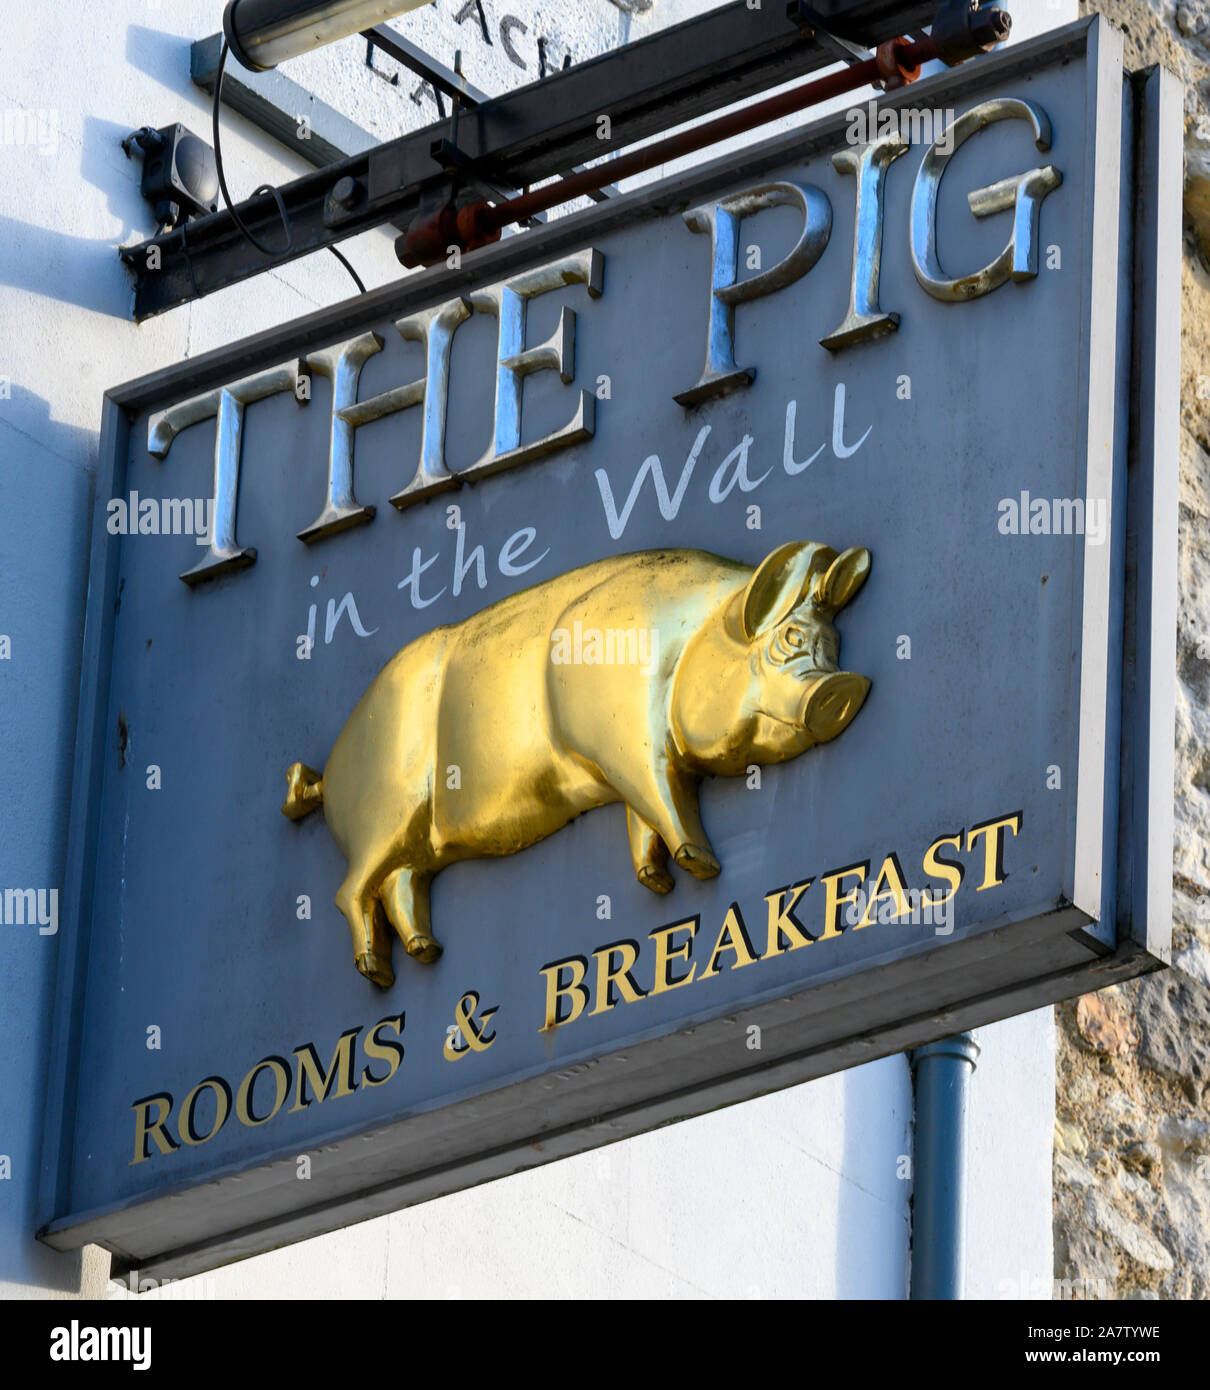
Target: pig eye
x=787 y=643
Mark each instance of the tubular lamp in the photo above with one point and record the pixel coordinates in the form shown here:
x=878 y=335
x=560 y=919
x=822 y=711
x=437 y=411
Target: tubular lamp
x=263 y=33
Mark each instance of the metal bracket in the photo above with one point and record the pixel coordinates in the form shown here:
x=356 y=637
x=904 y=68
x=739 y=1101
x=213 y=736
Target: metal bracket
x=179 y=179
x=437 y=75
x=521 y=137
x=812 y=25
x=964 y=28
x=448 y=154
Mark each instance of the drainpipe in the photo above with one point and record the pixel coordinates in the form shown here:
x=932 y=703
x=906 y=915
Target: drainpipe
x=942 y=1071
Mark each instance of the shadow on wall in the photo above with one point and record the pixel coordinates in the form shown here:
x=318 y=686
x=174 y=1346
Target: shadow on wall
x=45 y=531
x=44 y=525
x=29 y=415
x=64 y=261
x=165 y=59
x=873 y=1214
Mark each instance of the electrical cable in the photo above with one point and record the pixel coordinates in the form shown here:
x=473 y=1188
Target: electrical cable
x=222 y=179
x=340 y=256
x=265 y=188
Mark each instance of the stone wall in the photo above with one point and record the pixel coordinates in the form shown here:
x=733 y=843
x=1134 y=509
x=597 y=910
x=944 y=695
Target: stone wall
x=1132 y=1103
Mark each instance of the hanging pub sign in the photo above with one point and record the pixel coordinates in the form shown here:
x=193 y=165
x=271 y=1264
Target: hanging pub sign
x=704 y=643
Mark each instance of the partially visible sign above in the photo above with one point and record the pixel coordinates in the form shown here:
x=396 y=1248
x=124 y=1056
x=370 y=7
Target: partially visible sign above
x=648 y=467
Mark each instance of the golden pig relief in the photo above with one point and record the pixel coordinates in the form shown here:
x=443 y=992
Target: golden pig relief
x=743 y=670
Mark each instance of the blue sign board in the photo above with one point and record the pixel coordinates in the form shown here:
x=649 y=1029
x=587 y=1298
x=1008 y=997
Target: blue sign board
x=710 y=641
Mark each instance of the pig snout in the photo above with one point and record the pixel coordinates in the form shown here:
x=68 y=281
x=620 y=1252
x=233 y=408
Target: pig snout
x=832 y=699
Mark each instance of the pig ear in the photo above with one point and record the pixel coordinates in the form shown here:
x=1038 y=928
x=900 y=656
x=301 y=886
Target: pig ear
x=780 y=582
x=843 y=578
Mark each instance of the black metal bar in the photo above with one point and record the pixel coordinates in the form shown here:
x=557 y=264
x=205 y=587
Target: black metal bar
x=436 y=74
x=516 y=139
x=890 y=17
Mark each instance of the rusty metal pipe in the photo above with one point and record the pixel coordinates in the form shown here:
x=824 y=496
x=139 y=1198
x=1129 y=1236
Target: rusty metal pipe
x=895 y=64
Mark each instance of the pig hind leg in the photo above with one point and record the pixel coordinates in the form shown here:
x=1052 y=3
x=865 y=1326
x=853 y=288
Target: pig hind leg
x=371 y=936
x=405 y=897
x=649 y=854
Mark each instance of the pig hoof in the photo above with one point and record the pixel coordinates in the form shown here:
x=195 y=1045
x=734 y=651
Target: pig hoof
x=658 y=880
x=423 y=949
x=698 y=861
x=376 y=968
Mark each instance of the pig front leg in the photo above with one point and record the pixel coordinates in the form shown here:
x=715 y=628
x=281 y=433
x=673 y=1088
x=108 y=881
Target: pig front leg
x=668 y=806
x=649 y=854
x=405 y=897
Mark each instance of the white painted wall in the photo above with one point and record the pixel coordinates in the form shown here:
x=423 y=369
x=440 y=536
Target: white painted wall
x=1008 y=1209
x=793 y=1195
